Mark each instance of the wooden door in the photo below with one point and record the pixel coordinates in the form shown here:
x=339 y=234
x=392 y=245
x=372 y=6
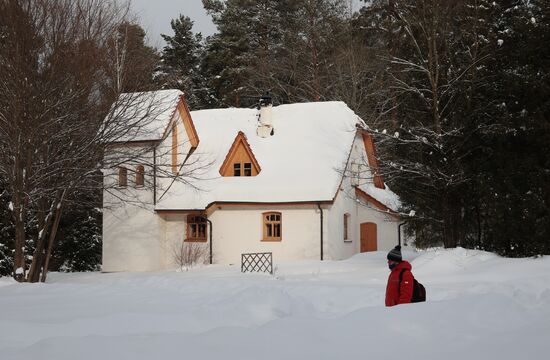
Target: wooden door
x=369 y=240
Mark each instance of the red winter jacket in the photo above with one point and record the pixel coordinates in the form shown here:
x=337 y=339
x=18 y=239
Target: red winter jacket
x=394 y=295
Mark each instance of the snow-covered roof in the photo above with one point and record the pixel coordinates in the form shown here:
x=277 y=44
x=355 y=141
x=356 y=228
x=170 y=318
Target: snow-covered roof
x=142 y=116
x=299 y=163
x=385 y=196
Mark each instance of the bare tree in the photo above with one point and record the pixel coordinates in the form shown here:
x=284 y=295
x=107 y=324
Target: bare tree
x=54 y=98
x=51 y=106
x=189 y=254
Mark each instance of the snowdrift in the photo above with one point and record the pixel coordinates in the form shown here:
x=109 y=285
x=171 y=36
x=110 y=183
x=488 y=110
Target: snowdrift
x=480 y=306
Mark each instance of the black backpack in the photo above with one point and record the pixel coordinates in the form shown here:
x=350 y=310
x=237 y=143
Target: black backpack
x=419 y=292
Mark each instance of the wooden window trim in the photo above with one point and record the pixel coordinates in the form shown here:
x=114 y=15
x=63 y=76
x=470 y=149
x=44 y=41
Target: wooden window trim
x=196 y=220
x=140 y=176
x=242 y=169
x=373 y=160
x=266 y=222
x=175 y=148
x=346 y=227
x=122 y=177
x=247 y=170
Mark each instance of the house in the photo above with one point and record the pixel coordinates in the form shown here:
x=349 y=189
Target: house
x=297 y=180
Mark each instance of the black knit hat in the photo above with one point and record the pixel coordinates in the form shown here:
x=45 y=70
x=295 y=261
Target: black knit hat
x=395 y=254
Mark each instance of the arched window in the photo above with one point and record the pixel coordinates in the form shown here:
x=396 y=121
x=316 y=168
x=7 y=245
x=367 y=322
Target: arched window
x=140 y=174
x=346 y=226
x=196 y=228
x=272 y=224
x=122 y=176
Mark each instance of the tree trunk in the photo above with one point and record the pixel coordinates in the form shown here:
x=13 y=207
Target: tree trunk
x=53 y=233
x=38 y=256
x=19 y=255
x=449 y=238
x=19 y=221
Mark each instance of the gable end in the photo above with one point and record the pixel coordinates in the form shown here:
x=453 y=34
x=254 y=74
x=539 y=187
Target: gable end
x=240 y=153
x=373 y=161
x=185 y=115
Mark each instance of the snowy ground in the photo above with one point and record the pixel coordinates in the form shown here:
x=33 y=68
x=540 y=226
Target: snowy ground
x=480 y=307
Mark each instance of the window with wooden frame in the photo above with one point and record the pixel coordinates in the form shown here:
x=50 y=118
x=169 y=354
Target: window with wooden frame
x=346 y=226
x=140 y=175
x=242 y=169
x=122 y=176
x=247 y=169
x=196 y=228
x=272 y=226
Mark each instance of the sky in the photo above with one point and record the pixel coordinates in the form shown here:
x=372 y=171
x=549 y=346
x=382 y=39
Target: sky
x=155 y=15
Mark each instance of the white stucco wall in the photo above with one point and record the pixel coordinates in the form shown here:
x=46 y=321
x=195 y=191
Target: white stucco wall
x=130 y=244
x=386 y=226
x=135 y=238
x=336 y=248
x=346 y=202
x=174 y=228
x=240 y=230
x=130 y=226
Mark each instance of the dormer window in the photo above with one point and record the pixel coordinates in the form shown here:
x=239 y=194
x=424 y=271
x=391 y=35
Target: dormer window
x=242 y=169
x=247 y=169
x=240 y=161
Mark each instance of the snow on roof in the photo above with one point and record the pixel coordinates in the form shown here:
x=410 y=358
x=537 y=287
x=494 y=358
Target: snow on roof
x=300 y=162
x=385 y=196
x=142 y=116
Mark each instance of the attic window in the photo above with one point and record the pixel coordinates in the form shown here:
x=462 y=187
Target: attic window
x=196 y=228
x=242 y=169
x=247 y=169
x=240 y=161
x=122 y=176
x=272 y=226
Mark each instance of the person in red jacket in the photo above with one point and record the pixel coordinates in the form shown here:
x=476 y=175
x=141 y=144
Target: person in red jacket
x=399 y=293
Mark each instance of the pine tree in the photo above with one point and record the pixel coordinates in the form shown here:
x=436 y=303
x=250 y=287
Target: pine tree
x=512 y=176
x=181 y=63
x=240 y=54
x=131 y=62
x=311 y=49
x=431 y=70
x=79 y=236
x=287 y=47
x=465 y=103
